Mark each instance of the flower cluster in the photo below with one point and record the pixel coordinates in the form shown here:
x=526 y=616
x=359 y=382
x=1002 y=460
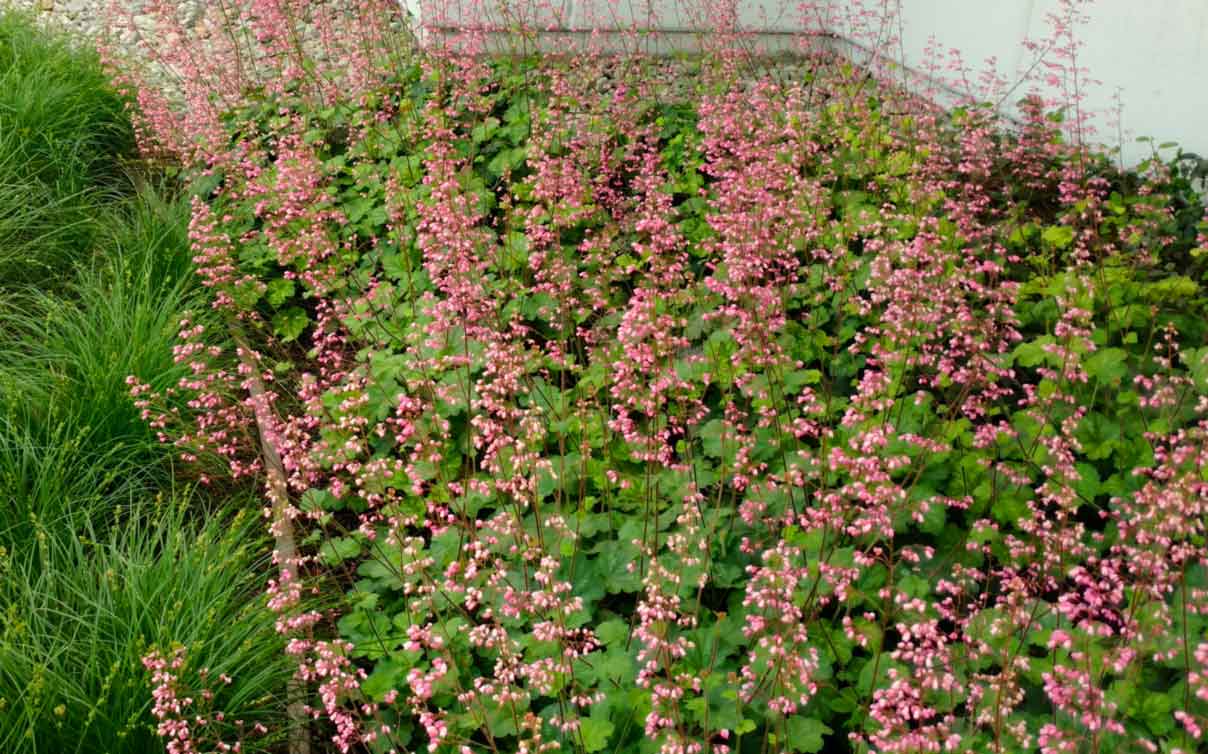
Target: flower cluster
x=633 y=405
x=189 y=723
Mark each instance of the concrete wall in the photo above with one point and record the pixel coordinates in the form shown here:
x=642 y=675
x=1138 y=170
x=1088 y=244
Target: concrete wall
x=1154 y=53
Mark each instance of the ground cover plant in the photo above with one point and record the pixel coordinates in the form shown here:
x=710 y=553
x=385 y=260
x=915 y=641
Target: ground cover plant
x=71 y=441
x=104 y=555
x=81 y=617
x=63 y=137
x=778 y=411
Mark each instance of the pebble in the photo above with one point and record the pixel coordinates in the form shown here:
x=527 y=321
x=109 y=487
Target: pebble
x=89 y=20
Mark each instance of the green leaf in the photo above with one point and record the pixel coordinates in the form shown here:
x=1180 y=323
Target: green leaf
x=899 y=163
x=484 y=130
x=711 y=437
x=280 y=291
x=409 y=168
x=1098 y=435
x=315 y=500
x=612 y=632
x=392 y=265
x=1196 y=360
x=288 y=324
x=339 y=549
x=1030 y=354
x=1090 y=484
x=382 y=679
x=500 y=719
x=1058 y=236
x=616 y=665
x=794 y=381
x=246 y=294
x=506 y=161
x=805 y=734
x=1108 y=365
x=595 y=733
x=1156 y=712
x=1009 y=507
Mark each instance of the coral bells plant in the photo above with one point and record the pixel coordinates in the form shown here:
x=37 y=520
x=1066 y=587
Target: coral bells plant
x=190 y=724
x=702 y=406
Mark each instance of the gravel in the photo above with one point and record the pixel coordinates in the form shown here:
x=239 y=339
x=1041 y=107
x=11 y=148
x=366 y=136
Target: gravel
x=88 y=21
x=88 y=18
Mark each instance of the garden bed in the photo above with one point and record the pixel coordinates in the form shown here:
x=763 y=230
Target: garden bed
x=618 y=403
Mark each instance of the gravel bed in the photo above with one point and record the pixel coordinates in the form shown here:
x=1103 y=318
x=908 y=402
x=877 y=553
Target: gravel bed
x=87 y=18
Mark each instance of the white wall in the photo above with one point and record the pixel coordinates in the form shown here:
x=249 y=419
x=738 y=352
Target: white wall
x=1154 y=52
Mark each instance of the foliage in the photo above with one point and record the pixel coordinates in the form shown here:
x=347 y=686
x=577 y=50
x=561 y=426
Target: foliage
x=70 y=440
x=94 y=578
x=777 y=413
x=64 y=136
x=80 y=614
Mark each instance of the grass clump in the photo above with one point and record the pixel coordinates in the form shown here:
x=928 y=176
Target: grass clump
x=70 y=436
x=94 y=579
x=65 y=139
x=81 y=613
